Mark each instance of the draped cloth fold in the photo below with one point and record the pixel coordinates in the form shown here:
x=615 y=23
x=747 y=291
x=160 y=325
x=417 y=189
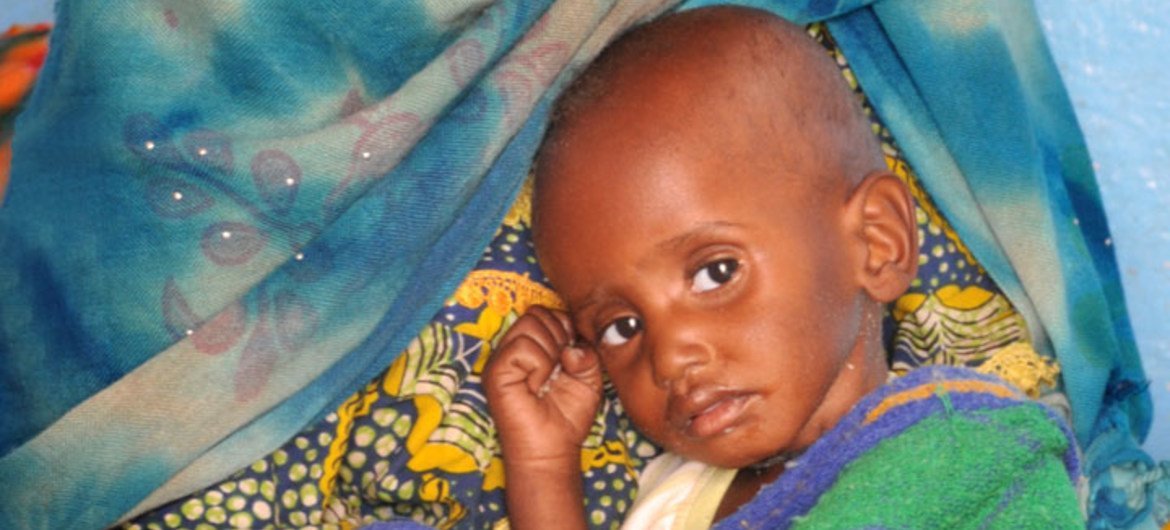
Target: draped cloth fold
x=224 y=218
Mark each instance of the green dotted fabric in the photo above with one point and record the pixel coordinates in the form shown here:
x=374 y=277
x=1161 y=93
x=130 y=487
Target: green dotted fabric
x=417 y=442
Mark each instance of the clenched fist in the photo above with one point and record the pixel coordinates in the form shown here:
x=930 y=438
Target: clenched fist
x=542 y=392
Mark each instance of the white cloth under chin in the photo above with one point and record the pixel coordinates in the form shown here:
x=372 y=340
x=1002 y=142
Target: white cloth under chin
x=678 y=494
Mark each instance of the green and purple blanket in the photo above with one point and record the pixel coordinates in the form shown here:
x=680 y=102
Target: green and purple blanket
x=938 y=448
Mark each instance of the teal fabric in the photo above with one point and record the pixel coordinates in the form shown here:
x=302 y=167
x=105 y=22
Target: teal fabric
x=223 y=220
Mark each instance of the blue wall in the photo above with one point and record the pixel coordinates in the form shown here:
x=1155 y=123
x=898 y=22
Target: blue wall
x=1113 y=55
x=24 y=11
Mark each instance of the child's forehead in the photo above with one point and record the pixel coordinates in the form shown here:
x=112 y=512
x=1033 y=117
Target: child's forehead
x=752 y=96
x=685 y=124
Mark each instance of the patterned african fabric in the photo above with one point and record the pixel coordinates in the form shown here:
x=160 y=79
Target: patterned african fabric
x=997 y=459
x=417 y=442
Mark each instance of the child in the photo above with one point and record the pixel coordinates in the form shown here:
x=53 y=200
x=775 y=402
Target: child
x=712 y=206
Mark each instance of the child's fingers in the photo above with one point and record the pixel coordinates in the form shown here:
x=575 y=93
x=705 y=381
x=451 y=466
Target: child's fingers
x=579 y=360
x=529 y=354
x=583 y=365
x=556 y=322
x=577 y=392
x=525 y=362
x=541 y=330
x=566 y=325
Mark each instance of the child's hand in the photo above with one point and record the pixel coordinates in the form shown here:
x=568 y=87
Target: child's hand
x=542 y=392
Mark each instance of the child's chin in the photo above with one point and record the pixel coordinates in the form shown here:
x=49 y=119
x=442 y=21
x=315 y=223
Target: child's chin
x=723 y=455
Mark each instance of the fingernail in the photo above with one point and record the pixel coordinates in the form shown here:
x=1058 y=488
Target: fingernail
x=547 y=386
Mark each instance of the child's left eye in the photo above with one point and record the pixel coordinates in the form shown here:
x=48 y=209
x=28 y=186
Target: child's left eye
x=714 y=274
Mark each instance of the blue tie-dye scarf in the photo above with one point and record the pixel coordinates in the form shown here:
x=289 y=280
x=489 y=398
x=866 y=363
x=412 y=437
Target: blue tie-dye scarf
x=225 y=217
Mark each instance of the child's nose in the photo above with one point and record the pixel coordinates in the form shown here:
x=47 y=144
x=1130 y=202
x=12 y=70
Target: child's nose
x=675 y=350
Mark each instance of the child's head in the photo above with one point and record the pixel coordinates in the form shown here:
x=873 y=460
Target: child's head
x=712 y=204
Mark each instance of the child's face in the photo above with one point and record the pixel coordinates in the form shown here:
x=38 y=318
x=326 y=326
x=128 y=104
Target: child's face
x=719 y=292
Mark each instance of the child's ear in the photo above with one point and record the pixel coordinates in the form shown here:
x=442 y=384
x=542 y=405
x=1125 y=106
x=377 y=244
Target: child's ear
x=887 y=227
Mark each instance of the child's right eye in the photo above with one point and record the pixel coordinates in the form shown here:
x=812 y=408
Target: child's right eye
x=620 y=331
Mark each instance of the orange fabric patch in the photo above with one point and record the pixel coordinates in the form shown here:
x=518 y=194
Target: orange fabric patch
x=924 y=391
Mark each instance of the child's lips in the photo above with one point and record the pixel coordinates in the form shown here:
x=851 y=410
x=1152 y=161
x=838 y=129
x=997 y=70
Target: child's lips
x=705 y=414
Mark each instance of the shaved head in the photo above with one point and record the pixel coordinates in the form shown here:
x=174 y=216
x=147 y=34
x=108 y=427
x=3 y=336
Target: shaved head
x=776 y=83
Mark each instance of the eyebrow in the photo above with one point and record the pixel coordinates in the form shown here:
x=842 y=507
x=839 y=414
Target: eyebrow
x=700 y=230
x=595 y=297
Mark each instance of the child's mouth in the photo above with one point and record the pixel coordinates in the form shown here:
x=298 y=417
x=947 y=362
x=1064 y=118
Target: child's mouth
x=719 y=416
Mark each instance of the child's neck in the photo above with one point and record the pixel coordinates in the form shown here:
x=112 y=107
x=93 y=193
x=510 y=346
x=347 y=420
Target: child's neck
x=869 y=370
x=744 y=487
